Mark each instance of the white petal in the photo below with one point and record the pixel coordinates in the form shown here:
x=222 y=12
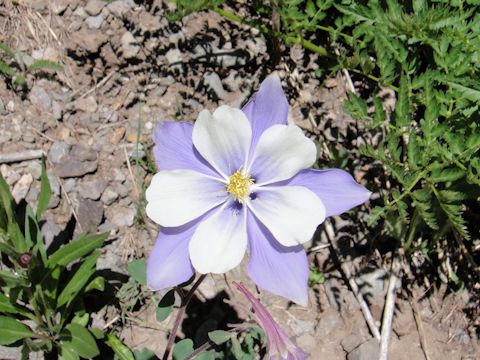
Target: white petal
x=290 y=213
x=220 y=242
x=176 y=197
x=223 y=138
x=281 y=152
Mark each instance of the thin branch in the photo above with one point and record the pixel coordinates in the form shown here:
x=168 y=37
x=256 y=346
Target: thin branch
x=393 y=284
x=180 y=315
x=353 y=285
x=21 y=156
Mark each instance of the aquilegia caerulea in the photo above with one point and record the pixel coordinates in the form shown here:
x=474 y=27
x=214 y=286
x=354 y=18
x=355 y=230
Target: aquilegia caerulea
x=238 y=180
x=280 y=347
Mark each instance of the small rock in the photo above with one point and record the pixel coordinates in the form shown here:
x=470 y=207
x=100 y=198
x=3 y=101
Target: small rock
x=35 y=168
x=58 y=151
x=351 y=341
x=75 y=168
x=94 y=7
x=63 y=133
x=306 y=342
x=121 y=216
x=88 y=39
x=81 y=153
x=299 y=326
x=372 y=283
x=40 y=98
x=80 y=12
x=213 y=81
x=121 y=189
x=367 y=351
x=20 y=190
x=90 y=214
x=5 y=136
x=3 y=110
x=11 y=106
x=86 y=104
x=92 y=189
x=57 y=110
x=329 y=321
x=120 y=8
x=54 y=185
x=148 y=22
x=118 y=175
x=117 y=135
x=94 y=22
x=58 y=6
x=69 y=185
x=173 y=56
x=130 y=47
x=109 y=196
x=50 y=230
x=48 y=53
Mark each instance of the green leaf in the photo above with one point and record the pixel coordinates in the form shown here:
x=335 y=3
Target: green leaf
x=182 y=349
x=67 y=352
x=414 y=152
x=356 y=107
x=78 y=281
x=120 y=349
x=7 y=49
x=137 y=269
x=74 y=250
x=80 y=340
x=165 y=305
x=96 y=284
x=207 y=355
x=144 y=354
x=43 y=64
x=219 y=336
x=13 y=229
x=12 y=280
x=12 y=330
x=45 y=192
x=402 y=108
x=444 y=175
x=6 y=306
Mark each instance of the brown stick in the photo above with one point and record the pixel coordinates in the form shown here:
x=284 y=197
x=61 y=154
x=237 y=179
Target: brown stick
x=21 y=156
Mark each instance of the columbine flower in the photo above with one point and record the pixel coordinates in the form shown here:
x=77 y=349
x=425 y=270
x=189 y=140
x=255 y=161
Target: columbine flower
x=280 y=347
x=238 y=179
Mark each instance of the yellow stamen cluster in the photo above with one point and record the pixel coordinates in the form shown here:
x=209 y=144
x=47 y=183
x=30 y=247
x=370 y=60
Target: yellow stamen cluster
x=239 y=185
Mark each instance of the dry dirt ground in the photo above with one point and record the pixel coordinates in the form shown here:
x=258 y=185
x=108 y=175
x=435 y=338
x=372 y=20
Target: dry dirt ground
x=126 y=68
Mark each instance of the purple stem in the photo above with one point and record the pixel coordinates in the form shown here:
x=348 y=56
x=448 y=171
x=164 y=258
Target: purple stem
x=180 y=315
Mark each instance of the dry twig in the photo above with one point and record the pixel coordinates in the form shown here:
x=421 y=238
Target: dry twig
x=393 y=284
x=21 y=156
x=353 y=285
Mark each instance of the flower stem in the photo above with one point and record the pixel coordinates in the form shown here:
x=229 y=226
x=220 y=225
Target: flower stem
x=180 y=315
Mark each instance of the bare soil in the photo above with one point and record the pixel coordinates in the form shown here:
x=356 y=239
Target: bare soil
x=126 y=69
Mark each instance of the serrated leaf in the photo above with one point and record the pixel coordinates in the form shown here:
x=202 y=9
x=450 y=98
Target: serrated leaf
x=356 y=107
x=182 y=349
x=43 y=64
x=8 y=50
x=137 y=269
x=76 y=249
x=12 y=330
x=402 y=107
x=219 y=336
x=414 y=152
x=120 y=349
x=444 y=175
x=80 y=340
x=165 y=306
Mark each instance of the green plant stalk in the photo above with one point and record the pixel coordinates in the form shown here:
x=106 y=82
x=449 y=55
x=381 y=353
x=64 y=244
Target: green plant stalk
x=298 y=40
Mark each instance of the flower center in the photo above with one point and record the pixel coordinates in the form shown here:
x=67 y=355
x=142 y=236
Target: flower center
x=239 y=185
